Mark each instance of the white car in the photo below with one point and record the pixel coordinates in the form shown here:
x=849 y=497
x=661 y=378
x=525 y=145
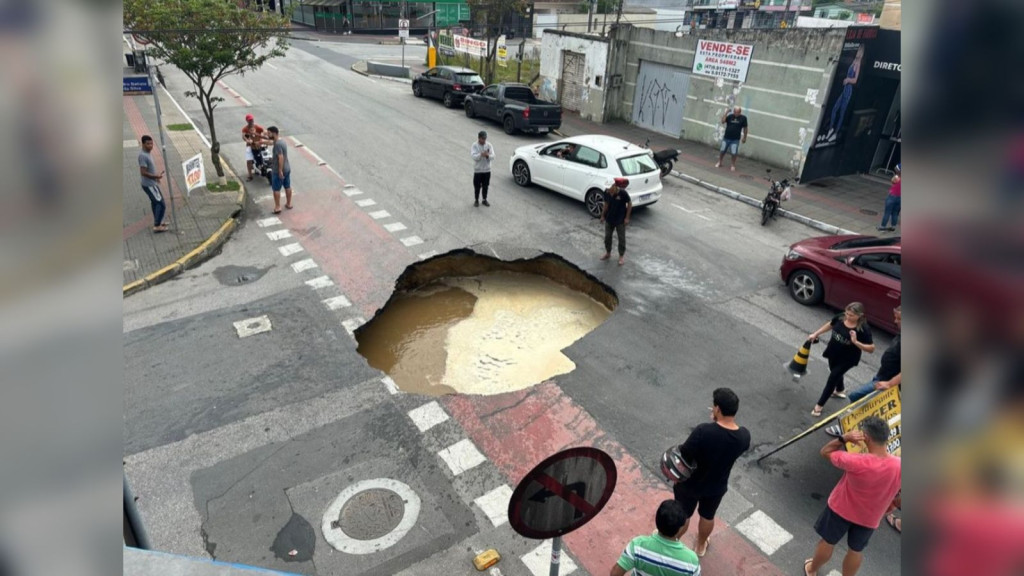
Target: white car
x=583 y=167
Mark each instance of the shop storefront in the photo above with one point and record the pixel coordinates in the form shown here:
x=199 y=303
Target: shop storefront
x=860 y=130
x=377 y=17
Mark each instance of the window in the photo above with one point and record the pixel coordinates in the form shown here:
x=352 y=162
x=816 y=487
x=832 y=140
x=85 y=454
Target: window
x=635 y=165
x=446 y=74
x=588 y=156
x=490 y=91
x=432 y=73
x=468 y=78
x=883 y=263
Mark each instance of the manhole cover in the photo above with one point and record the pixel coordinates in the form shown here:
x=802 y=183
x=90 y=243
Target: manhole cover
x=869 y=212
x=371 y=514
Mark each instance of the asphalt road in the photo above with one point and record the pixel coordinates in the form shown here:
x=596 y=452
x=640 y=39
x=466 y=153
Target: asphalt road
x=236 y=446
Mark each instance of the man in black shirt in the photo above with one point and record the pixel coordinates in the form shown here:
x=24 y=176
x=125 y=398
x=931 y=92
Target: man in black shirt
x=889 y=373
x=713 y=447
x=617 y=208
x=735 y=132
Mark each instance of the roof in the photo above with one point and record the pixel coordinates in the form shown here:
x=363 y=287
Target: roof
x=610 y=145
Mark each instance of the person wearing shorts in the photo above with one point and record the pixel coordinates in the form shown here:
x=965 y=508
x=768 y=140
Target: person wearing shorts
x=280 y=170
x=735 y=132
x=252 y=135
x=713 y=447
x=860 y=500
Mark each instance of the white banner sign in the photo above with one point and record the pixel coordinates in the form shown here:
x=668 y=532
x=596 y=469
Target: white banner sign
x=471 y=46
x=195 y=174
x=502 y=51
x=722 y=60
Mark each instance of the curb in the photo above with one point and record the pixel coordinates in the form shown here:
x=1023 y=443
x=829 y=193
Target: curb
x=816 y=224
x=198 y=255
x=368 y=75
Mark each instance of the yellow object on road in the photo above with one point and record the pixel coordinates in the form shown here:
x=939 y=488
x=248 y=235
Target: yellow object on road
x=486 y=559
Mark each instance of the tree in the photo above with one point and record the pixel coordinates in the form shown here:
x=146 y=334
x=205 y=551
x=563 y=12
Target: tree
x=207 y=40
x=491 y=13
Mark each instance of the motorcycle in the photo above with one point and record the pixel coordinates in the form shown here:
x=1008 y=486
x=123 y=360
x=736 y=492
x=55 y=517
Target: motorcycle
x=262 y=158
x=664 y=158
x=780 y=191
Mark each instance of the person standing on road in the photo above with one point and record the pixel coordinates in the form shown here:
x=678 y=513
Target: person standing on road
x=735 y=132
x=889 y=370
x=862 y=497
x=893 y=203
x=151 y=184
x=482 y=152
x=850 y=336
x=280 y=171
x=617 y=208
x=661 y=553
x=252 y=134
x=713 y=447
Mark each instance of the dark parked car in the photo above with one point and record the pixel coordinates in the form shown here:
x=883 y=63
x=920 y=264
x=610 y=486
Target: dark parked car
x=843 y=269
x=449 y=83
x=515 y=107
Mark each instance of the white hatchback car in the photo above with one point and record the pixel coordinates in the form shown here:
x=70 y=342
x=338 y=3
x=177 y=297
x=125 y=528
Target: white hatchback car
x=582 y=167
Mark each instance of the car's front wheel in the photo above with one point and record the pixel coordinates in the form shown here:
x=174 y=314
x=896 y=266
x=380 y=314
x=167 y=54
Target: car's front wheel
x=448 y=100
x=595 y=202
x=521 y=173
x=470 y=112
x=805 y=287
x=417 y=90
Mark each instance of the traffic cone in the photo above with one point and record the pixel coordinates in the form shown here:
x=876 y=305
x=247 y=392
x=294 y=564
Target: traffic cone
x=798 y=366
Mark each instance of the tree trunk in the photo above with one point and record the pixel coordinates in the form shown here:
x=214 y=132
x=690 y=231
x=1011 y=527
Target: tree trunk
x=207 y=106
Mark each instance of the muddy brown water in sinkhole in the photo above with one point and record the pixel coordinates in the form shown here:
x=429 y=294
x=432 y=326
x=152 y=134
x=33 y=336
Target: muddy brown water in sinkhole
x=488 y=334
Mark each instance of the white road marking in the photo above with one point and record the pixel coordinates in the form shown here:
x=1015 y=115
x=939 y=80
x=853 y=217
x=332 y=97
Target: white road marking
x=344 y=543
x=279 y=234
x=296 y=143
x=352 y=323
x=303 y=265
x=246 y=328
x=337 y=302
x=495 y=504
x=264 y=198
x=319 y=161
x=390 y=385
x=366 y=202
x=272 y=221
x=394 y=227
x=764 y=532
x=427 y=416
x=351 y=191
x=462 y=456
x=187 y=117
x=835 y=573
x=289 y=249
x=412 y=241
x=429 y=254
x=319 y=282
x=269 y=65
x=539 y=561
x=380 y=214
x=694 y=212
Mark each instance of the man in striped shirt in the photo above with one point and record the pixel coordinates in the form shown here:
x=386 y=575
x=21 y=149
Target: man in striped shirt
x=661 y=553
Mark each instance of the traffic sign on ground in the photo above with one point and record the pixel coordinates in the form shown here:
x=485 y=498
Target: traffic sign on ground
x=562 y=493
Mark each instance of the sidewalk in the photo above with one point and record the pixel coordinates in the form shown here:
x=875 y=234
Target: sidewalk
x=201 y=221
x=851 y=203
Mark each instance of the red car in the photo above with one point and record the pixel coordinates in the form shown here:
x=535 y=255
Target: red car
x=843 y=269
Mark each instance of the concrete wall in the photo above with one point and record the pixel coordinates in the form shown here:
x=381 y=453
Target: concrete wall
x=787 y=83
x=892 y=15
x=596 y=51
x=388 y=70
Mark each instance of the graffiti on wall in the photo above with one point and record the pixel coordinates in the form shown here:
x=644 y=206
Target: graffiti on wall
x=549 y=89
x=655 y=101
x=660 y=97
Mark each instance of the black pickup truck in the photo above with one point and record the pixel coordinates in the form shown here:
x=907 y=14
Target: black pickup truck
x=515 y=106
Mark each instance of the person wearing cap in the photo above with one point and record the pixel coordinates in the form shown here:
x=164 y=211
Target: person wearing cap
x=892 y=204
x=252 y=134
x=713 y=447
x=482 y=152
x=615 y=215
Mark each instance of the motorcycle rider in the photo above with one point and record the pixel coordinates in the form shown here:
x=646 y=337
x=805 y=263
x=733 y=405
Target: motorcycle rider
x=252 y=134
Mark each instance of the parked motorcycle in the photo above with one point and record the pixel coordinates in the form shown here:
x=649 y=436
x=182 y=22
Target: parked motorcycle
x=780 y=191
x=663 y=158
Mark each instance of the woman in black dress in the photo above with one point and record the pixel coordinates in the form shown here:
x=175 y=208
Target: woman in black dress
x=850 y=336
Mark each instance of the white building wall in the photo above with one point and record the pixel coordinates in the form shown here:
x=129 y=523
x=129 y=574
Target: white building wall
x=596 y=53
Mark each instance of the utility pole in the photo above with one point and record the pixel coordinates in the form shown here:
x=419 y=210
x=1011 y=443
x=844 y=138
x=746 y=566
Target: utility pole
x=163 y=143
x=618 y=13
x=590 y=17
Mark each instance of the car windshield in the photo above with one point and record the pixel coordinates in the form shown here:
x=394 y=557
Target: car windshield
x=467 y=78
x=639 y=164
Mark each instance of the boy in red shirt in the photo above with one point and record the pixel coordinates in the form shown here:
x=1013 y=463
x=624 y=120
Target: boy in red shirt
x=861 y=498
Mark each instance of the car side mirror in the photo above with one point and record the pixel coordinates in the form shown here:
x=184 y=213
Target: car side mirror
x=850 y=260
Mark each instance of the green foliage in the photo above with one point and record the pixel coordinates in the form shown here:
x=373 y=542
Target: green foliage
x=207 y=40
x=501 y=74
x=603 y=6
x=845 y=15
x=183 y=127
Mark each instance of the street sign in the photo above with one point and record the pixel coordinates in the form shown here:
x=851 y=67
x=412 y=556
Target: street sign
x=403 y=28
x=562 y=493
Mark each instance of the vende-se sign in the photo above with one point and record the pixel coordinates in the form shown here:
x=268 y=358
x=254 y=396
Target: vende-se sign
x=722 y=60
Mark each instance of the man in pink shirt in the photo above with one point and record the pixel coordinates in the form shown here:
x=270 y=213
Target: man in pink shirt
x=861 y=498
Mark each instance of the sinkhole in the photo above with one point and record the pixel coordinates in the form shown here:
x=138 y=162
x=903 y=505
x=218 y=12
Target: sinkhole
x=471 y=323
